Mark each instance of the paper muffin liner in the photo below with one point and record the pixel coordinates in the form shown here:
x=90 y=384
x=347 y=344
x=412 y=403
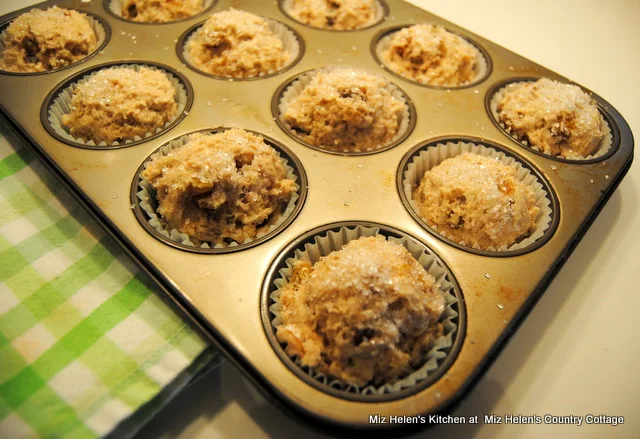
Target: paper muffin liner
x=334 y=241
x=115 y=7
x=296 y=87
x=434 y=155
x=379 y=12
x=98 y=29
x=605 y=144
x=481 y=68
x=147 y=201
x=61 y=105
x=290 y=43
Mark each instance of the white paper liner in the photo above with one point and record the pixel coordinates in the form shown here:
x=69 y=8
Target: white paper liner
x=605 y=144
x=147 y=201
x=290 y=43
x=335 y=240
x=480 y=69
x=296 y=87
x=98 y=29
x=433 y=156
x=115 y=6
x=378 y=16
x=61 y=105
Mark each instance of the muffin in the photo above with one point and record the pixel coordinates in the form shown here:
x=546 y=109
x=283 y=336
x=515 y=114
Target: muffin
x=154 y=11
x=365 y=314
x=478 y=201
x=431 y=55
x=120 y=103
x=41 y=40
x=345 y=110
x=334 y=14
x=236 y=44
x=559 y=119
x=220 y=188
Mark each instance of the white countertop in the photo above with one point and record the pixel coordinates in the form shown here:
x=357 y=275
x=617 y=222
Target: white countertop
x=576 y=353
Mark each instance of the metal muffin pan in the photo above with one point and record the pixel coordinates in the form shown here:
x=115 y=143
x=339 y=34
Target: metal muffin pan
x=222 y=292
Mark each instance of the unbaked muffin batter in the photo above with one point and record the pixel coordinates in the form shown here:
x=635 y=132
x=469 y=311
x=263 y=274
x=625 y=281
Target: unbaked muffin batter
x=431 y=55
x=236 y=44
x=477 y=200
x=219 y=188
x=345 y=109
x=40 y=40
x=334 y=14
x=560 y=119
x=160 y=11
x=366 y=314
x=120 y=103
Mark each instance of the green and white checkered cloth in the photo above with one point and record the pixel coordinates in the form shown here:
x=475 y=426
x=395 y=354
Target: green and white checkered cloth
x=87 y=347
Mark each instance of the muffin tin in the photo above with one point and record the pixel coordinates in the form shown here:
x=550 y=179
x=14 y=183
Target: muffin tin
x=227 y=294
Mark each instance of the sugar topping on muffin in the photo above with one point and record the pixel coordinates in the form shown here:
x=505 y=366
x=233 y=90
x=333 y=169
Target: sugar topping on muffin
x=220 y=188
x=477 y=200
x=365 y=314
x=334 y=14
x=41 y=40
x=237 y=44
x=559 y=119
x=432 y=55
x=154 y=11
x=345 y=109
x=120 y=103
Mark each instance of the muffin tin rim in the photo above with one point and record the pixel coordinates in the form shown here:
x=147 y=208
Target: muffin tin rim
x=385 y=230
x=551 y=195
x=600 y=102
x=106 y=3
x=384 y=32
x=55 y=91
x=184 y=36
x=294 y=162
x=275 y=112
x=105 y=25
x=385 y=13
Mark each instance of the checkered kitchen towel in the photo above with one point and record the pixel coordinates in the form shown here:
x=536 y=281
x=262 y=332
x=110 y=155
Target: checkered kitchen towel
x=87 y=347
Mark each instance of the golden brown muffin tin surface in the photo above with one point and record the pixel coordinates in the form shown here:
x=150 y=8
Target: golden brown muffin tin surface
x=222 y=292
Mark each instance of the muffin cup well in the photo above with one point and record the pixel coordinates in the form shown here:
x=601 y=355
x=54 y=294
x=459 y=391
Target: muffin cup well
x=144 y=201
x=58 y=103
x=381 y=10
x=423 y=159
x=291 y=41
x=100 y=28
x=498 y=93
x=292 y=89
x=381 y=42
x=327 y=239
x=115 y=8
